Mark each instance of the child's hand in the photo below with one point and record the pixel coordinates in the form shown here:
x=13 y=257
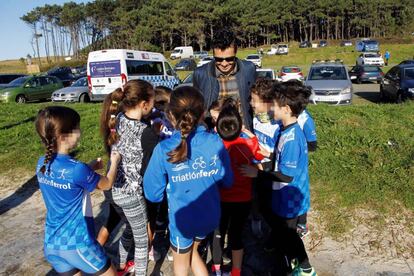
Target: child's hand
x=115 y=158
x=264 y=152
x=96 y=164
x=249 y=171
x=247 y=132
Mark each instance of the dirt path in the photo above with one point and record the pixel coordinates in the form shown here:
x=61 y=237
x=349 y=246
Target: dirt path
x=364 y=251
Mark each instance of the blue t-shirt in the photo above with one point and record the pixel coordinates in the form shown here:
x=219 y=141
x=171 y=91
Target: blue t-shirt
x=65 y=188
x=307 y=124
x=191 y=186
x=267 y=134
x=290 y=200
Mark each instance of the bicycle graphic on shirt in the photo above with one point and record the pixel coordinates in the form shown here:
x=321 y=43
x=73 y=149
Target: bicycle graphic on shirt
x=199 y=163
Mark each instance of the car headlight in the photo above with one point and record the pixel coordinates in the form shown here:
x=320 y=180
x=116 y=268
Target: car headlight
x=6 y=94
x=346 y=90
x=411 y=90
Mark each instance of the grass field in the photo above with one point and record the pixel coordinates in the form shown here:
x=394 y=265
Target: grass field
x=365 y=157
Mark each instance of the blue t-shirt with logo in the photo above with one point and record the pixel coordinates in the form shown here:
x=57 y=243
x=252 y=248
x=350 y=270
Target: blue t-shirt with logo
x=267 y=134
x=192 y=186
x=65 y=188
x=290 y=200
x=307 y=124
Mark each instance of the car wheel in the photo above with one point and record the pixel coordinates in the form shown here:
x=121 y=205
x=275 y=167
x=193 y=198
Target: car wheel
x=21 y=99
x=358 y=80
x=84 y=98
x=399 y=98
x=382 y=95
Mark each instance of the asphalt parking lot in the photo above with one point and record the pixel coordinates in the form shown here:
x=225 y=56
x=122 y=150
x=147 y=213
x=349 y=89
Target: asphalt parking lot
x=366 y=93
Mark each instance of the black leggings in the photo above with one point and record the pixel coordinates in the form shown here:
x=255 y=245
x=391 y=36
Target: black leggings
x=113 y=216
x=284 y=236
x=232 y=221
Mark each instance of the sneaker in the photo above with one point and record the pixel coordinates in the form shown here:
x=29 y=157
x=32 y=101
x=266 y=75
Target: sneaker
x=129 y=268
x=298 y=271
x=303 y=230
x=170 y=255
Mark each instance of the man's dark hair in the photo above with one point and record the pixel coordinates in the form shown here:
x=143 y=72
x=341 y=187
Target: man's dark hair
x=223 y=39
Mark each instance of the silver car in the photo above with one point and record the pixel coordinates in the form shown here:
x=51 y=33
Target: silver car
x=77 y=92
x=330 y=83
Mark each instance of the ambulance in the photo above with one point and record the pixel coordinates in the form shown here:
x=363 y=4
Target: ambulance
x=109 y=69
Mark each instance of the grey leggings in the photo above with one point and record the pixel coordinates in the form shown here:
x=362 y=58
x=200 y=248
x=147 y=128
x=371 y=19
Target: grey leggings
x=134 y=209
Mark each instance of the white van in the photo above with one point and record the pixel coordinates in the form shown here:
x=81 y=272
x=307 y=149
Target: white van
x=182 y=52
x=110 y=69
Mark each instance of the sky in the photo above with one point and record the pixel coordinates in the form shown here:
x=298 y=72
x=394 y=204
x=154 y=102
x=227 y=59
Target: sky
x=15 y=35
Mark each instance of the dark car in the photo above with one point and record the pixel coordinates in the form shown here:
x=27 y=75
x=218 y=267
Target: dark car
x=305 y=44
x=345 y=43
x=5 y=79
x=408 y=61
x=398 y=83
x=362 y=73
x=323 y=43
x=65 y=74
x=186 y=64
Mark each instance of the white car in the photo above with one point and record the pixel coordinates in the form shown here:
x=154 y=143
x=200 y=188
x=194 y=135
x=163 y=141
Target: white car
x=370 y=58
x=205 y=60
x=282 y=49
x=266 y=74
x=290 y=73
x=272 y=51
x=256 y=59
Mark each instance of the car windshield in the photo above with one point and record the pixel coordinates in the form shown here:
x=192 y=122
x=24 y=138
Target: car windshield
x=183 y=62
x=409 y=73
x=264 y=74
x=80 y=82
x=328 y=73
x=371 y=69
x=253 y=57
x=18 y=81
x=291 y=70
x=282 y=46
x=371 y=42
x=372 y=55
x=188 y=79
x=176 y=51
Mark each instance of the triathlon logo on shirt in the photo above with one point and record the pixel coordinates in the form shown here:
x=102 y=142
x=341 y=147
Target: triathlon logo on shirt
x=198 y=167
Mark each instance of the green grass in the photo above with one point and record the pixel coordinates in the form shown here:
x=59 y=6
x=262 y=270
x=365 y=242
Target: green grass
x=365 y=157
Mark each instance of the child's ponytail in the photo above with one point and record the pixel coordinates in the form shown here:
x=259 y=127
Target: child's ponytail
x=51 y=122
x=187 y=107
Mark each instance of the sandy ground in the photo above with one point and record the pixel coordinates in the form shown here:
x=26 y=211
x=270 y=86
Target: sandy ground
x=363 y=251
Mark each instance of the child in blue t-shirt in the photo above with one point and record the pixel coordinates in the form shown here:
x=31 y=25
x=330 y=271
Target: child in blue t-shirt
x=190 y=166
x=290 y=179
x=70 y=245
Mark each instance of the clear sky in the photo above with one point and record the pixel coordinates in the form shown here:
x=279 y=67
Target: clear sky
x=15 y=35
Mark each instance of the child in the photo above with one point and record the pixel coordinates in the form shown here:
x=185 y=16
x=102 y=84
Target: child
x=70 y=245
x=124 y=132
x=158 y=116
x=290 y=196
x=307 y=124
x=267 y=131
x=236 y=201
x=190 y=165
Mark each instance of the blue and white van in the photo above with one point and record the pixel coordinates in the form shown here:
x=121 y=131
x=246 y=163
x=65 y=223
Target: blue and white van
x=367 y=46
x=109 y=69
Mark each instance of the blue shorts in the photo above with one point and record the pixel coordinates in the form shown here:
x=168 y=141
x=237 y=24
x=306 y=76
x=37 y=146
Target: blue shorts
x=183 y=245
x=90 y=260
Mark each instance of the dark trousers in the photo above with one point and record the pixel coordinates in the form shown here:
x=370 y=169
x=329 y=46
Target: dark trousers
x=285 y=238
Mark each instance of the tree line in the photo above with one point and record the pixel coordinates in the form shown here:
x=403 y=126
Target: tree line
x=161 y=25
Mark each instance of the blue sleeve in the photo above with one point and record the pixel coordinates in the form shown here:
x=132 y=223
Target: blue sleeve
x=289 y=158
x=226 y=173
x=309 y=130
x=85 y=177
x=155 y=178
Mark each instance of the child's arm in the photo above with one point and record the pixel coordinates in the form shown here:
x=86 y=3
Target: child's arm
x=105 y=182
x=251 y=171
x=155 y=177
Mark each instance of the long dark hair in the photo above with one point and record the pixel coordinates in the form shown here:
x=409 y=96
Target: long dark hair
x=51 y=122
x=186 y=107
x=133 y=93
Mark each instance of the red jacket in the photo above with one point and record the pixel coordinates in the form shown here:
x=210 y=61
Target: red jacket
x=241 y=151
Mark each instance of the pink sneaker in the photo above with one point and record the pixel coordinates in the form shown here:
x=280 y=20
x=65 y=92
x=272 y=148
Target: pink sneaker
x=129 y=268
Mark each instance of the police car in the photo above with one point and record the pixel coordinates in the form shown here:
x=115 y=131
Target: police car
x=110 y=69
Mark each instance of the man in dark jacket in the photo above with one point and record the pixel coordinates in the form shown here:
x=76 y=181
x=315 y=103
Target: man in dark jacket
x=227 y=76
